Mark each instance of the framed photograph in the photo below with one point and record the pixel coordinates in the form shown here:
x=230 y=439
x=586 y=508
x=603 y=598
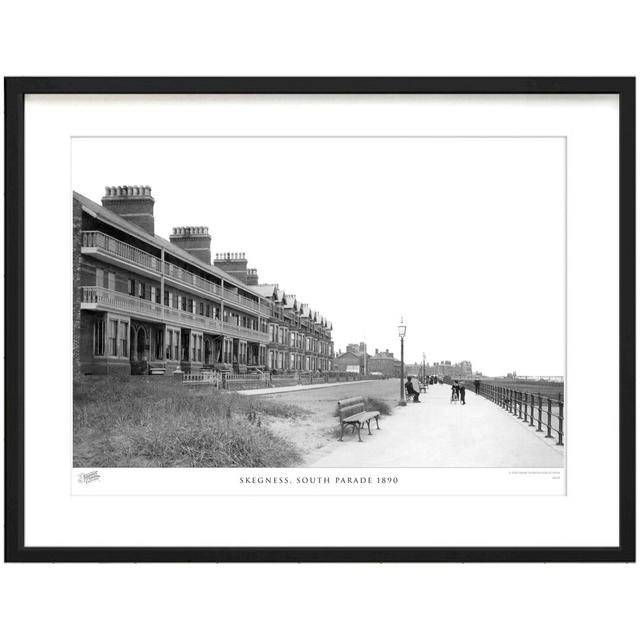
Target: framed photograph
x=320 y=319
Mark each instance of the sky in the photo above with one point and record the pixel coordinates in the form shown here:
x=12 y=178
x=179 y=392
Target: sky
x=462 y=238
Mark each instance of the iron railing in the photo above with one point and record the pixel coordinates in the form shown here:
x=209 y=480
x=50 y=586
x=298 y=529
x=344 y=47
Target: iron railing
x=542 y=412
x=202 y=377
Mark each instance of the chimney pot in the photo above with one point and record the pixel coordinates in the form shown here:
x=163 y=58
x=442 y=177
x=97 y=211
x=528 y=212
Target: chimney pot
x=132 y=203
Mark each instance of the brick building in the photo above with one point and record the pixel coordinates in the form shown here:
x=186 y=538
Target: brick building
x=348 y=362
x=447 y=368
x=385 y=363
x=142 y=302
x=355 y=359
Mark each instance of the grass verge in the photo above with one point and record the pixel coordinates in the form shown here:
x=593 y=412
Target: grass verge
x=144 y=421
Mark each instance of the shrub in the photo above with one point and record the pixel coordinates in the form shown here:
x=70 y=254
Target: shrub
x=151 y=422
x=377 y=404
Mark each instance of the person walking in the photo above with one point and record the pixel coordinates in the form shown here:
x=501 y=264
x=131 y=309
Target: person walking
x=462 y=391
x=476 y=384
x=455 y=390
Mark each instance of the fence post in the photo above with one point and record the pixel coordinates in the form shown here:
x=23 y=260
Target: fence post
x=526 y=406
x=532 y=408
x=539 y=413
x=548 y=419
x=560 y=419
x=520 y=405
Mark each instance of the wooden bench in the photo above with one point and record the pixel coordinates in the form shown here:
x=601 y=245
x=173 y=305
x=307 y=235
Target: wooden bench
x=351 y=412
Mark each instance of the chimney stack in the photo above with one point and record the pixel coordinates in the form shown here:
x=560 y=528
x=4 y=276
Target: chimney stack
x=133 y=203
x=193 y=240
x=235 y=264
x=252 y=276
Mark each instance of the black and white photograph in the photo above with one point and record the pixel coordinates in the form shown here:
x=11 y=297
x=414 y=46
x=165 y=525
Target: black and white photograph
x=334 y=306
x=319 y=302
x=320 y=320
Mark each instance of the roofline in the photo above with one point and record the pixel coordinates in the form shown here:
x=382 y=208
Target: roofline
x=115 y=220
x=158 y=241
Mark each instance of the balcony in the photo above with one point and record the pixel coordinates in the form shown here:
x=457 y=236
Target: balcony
x=235 y=298
x=186 y=277
x=100 y=299
x=117 y=252
x=245 y=333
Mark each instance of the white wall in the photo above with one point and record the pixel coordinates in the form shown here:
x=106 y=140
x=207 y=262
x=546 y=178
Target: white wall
x=545 y=37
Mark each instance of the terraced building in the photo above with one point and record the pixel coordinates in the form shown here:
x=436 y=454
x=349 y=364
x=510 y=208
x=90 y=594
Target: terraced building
x=143 y=304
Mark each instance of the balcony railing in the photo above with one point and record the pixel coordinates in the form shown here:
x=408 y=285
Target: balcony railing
x=111 y=246
x=120 y=302
x=115 y=301
x=232 y=296
x=184 y=317
x=122 y=250
x=244 y=332
x=178 y=273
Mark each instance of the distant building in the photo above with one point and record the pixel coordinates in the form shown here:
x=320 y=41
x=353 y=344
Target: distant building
x=348 y=362
x=355 y=359
x=444 y=368
x=385 y=363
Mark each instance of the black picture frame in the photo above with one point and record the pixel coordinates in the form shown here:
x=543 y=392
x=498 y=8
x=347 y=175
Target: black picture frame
x=15 y=91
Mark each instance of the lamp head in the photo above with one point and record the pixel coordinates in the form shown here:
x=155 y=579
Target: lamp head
x=402 y=328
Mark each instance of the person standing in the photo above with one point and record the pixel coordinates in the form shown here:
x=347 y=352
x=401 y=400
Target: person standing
x=462 y=391
x=476 y=384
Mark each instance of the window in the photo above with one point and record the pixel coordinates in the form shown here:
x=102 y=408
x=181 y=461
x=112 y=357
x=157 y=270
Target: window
x=131 y=287
x=169 y=341
x=154 y=294
x=180 y=300
x=124 y=338
x=199 y=348
x=193 y=307
x=159 y=346
x=113 y=337
x=141 y=290
x=111 y=280
x=202 y=308
x=99 y=278
x=185 y=346
x=98 y=338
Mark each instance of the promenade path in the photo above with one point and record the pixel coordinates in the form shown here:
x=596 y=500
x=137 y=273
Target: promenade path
x=436 y=433
x=300 y=387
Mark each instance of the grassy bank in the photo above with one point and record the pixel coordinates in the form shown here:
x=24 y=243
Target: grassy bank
x=144 y=421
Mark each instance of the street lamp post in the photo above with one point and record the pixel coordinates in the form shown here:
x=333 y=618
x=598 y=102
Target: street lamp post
x=402 y=330
x=424 y=369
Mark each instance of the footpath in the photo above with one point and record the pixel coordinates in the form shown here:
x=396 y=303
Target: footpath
x=299 y=387
x=437 y=433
